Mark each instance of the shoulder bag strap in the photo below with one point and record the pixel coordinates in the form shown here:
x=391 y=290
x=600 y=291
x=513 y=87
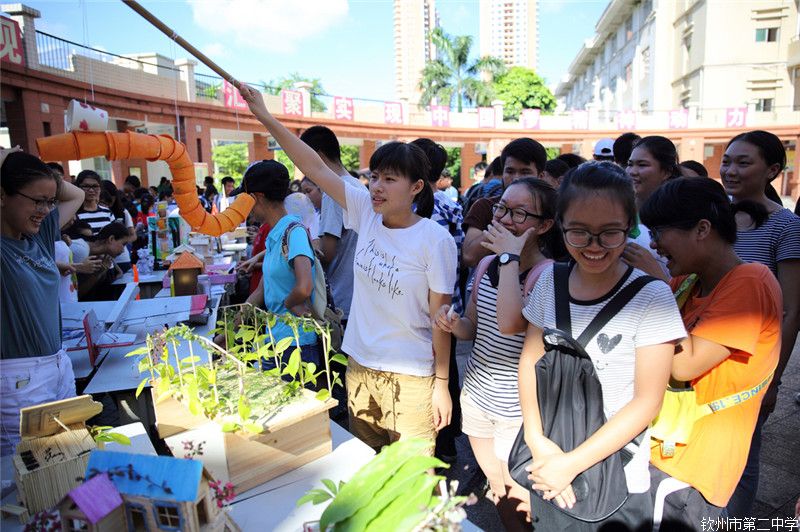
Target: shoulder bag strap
x=561 y=293
x=533 y=275
x=480 y=271
x=613 y=307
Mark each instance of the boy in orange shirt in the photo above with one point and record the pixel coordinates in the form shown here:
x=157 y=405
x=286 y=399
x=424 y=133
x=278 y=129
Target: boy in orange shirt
x=733 y=312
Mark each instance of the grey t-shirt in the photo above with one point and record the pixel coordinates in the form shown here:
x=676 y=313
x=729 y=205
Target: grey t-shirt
x=339 y=271
x=29 y=283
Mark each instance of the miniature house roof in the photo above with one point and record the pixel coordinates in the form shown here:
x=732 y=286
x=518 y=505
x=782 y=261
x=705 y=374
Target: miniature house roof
x=186 y=261
x=155 y=477
x=97 y=497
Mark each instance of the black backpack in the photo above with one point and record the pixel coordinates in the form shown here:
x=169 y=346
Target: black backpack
x=571 y=408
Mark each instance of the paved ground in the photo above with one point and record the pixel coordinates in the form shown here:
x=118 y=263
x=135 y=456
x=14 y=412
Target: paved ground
x=779 y=485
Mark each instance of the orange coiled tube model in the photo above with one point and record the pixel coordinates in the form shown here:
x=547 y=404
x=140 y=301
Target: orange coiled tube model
x=129 y=145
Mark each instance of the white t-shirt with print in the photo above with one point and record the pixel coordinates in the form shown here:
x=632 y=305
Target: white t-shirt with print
x=651 y=317
x=80 y=250
x=389 y=328
x=67 y=292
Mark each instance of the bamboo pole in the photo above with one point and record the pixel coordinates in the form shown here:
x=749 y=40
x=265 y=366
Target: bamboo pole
x=166 y=30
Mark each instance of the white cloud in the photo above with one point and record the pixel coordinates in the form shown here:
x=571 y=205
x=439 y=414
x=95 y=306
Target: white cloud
x=268 y=25
x=215 y=50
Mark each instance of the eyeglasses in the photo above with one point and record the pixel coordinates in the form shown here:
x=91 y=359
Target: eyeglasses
x=517 y=215
x=90 y=187
x=655 y=232
x=41 y=204
x=608 y=239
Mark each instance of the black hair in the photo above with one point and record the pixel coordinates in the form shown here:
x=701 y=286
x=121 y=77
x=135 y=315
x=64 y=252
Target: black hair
x=546 y=198
x=598 y=177
x=573 y=160
x=410 y=161
x=353 y=173
x=20 y=169
x=556 y=168
x=696 y=167
x=139 y=192
x=74 y=230
x=663 y=151
x=227 y=179
x=685 y=201
x=115 y=198
x=307 y=179
x=83 y=175
x=146 y=201
x=769 y=147
x=294 y=186
x=115 y=229
x=210 y=191
x=321 y=139
x=525 y=150
x=165 y=192
x=495 y=169
x=437 y=157
x=623 y=147
x=163 y=180
x=208 y=180
x=480 y=165
x=56 y=168
x=133 y=181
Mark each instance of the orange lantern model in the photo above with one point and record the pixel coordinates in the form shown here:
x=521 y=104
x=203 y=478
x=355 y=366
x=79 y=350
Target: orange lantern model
x=129 y=145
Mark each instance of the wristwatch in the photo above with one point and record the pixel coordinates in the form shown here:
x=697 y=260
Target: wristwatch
x=505 y=258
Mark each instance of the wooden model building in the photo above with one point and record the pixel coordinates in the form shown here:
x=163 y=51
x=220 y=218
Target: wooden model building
x=161 y=492
x=52 y=455
x=185 y=270
x=95 y=506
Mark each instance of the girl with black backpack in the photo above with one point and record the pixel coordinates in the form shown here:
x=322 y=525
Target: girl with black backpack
x=629 y=348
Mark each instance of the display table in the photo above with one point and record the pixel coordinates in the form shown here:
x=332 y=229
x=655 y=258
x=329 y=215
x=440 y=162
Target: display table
x=149 y=283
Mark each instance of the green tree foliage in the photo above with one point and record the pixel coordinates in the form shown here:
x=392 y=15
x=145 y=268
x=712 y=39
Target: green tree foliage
x=453 y=76
x=521 y=88
x=351 y=158
x=276 y=85
x=230 y=159
x=282 y=158
x=454 y=165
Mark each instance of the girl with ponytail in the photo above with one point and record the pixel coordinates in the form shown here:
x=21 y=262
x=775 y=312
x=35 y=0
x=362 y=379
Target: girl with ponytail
x=404 y=270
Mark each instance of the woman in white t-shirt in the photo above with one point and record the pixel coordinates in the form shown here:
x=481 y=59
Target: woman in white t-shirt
x=404 y=270
x=632 y=354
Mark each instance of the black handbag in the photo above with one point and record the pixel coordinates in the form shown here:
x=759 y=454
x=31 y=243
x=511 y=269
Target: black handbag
x=571 y=408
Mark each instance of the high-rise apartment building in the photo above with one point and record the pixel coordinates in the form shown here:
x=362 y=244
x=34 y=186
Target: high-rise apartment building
x=413 y=22
x=652 y=56
x=508 y=30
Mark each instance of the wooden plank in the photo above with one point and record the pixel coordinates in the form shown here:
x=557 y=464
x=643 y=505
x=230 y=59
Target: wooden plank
x=36 y=421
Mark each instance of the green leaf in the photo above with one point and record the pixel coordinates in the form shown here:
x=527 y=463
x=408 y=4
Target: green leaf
x=163 y=387
x=253 y=428
x=244 y=408
x=141 y=386
x=119 y=438
x=229 y=426
x=194 y=406
x=368 y=480
x=331 y=485
x=407 y=511
x=402 y=483
x=138 y=351
x=165 y=395
x=189 y=360
x=340 y=358
x=282 y=345
x=294 y=363
x=323 y=395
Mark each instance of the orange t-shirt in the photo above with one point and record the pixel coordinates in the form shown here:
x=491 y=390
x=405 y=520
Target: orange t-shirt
x=743 y=313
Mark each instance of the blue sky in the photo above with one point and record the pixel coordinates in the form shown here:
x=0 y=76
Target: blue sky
x=347 y=44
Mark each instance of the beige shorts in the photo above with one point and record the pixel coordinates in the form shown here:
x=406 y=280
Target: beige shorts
x=385 y=407
x=479 y=423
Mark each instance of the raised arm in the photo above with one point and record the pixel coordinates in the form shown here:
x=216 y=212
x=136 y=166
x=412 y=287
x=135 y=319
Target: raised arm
x=70 y=199
x=298 y=151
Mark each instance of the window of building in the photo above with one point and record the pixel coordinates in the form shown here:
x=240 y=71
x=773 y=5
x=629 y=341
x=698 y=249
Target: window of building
x=137 y=520
x=645 y=62
x=168 y=516
x=628 y=72
x=74 y=525
x=644 y=106
x=766 y=34
x=629 y=29
x=765 y=104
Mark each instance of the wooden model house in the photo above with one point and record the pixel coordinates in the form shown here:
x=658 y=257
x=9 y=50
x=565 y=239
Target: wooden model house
x=185 y=270
x=52 y=456
x=94 y=506
x=161 y=492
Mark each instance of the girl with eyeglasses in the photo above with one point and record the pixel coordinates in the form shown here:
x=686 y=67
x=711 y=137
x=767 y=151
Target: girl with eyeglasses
x=34 y=369
x=732 y=310
x=520 y=236
x=632 y=353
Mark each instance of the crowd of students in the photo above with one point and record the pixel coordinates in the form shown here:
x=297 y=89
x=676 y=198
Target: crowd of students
x=714 y=308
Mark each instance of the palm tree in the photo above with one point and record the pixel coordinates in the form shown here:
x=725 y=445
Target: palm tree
x=451 y=74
